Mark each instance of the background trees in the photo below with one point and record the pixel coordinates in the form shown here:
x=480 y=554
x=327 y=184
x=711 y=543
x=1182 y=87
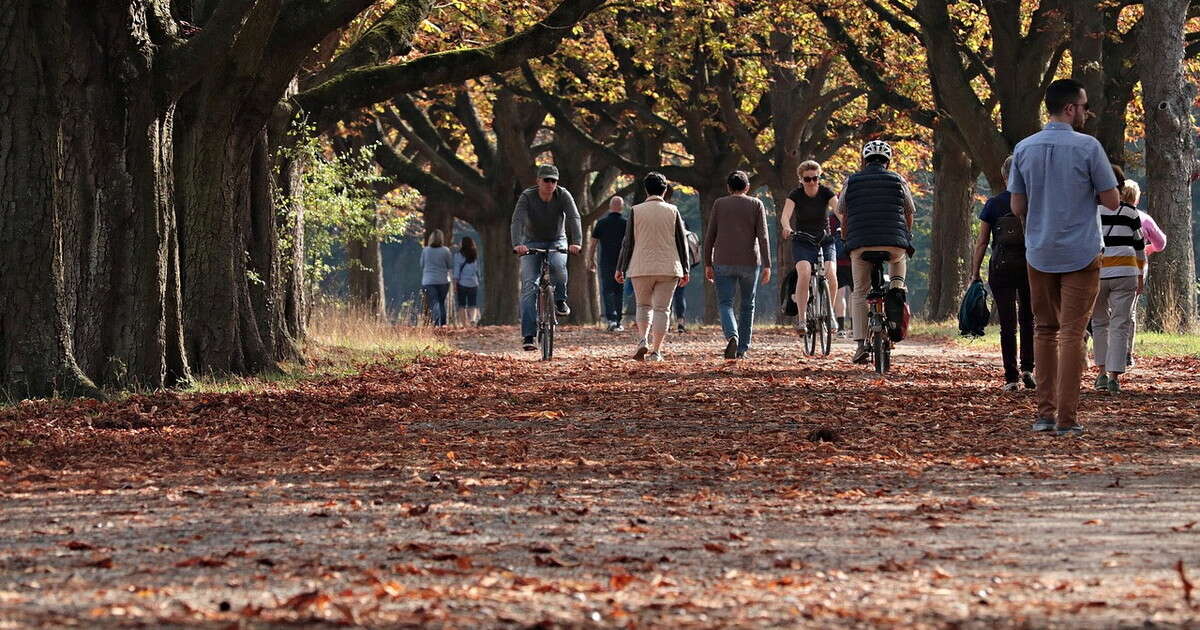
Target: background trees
x=153 y=215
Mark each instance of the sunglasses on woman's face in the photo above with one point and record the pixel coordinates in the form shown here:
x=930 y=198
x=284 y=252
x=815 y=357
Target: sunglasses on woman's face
x=812 y=178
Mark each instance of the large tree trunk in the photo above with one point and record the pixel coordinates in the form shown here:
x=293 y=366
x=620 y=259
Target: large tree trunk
x=501 y=273
x=1168 y=98
x=950 y=247
x=85 y=191
x=783 y=249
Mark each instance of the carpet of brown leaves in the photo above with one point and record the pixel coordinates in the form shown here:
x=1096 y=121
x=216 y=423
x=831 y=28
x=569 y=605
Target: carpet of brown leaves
x=485 y=489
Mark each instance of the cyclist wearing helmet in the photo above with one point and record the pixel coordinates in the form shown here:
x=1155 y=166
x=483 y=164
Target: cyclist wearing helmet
x=876 y=210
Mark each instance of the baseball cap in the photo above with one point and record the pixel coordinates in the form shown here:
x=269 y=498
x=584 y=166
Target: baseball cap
x=547 y=170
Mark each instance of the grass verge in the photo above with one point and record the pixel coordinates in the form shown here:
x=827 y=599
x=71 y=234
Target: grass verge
x=340 y=343
x=1147 y=344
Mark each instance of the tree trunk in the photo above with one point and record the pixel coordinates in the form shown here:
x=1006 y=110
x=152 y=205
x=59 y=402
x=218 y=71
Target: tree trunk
x=783 y=247
x=290 y=222
x=366 y=276
x=501 y=273
x=1170 y=148
x=950 y=247
x=86 y=235
x=708 y=196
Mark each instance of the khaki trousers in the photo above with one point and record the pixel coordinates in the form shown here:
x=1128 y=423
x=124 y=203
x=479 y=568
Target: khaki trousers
x=861 y=271
x=653 y=295
x=1062 y=306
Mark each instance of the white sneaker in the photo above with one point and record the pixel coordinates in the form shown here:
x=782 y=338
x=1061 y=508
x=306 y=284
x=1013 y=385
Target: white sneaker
x=1011 y=387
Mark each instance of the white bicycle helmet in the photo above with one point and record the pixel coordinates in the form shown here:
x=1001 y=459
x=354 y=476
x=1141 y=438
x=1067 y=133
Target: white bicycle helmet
x=877 y=147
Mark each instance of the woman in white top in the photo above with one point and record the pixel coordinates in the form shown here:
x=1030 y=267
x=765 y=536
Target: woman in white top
x=1121 y=282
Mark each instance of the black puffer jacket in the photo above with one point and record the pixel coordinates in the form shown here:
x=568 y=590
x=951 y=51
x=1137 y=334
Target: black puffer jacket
x=875 y=210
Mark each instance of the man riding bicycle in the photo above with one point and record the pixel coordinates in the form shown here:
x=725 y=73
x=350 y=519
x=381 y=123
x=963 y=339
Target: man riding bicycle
x=876 y=209
x=545 y=218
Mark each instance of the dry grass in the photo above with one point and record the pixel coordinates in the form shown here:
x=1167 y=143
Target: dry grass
x=341 y=341
x=1148 y=344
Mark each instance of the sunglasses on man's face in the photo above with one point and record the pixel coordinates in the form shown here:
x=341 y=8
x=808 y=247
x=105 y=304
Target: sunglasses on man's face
x=812 y=178
x=549 y=180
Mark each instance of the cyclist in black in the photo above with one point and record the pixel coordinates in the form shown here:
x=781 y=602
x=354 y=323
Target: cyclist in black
x=876 y=209
x=806 y=212
x=545 y=218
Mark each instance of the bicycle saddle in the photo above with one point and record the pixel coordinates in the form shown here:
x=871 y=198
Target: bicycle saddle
x=876 y=256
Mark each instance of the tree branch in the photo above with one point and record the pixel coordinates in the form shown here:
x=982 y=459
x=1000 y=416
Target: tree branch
x=328 y=102
x=391 y=35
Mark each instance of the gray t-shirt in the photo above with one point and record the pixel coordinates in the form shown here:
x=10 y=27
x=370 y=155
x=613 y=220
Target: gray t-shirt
x=436 y=263
x=1061 y=171
x=554 y=221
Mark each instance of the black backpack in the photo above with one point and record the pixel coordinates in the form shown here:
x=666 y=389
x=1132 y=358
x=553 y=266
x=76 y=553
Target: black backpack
x=1008 y=256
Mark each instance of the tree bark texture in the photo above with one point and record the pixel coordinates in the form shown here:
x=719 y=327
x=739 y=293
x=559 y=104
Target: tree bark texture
x=88 y=226
x=1170 y=155
x=950 y=247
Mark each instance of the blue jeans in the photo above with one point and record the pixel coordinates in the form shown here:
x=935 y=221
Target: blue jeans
x=612 y=294
x=531 y=268
x=435 y=296
x=630 y=302
x=729 y=277
x=680 y=304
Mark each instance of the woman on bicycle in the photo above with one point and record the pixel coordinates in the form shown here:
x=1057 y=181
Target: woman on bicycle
x=655 y=258
x=806 y=215
x=876 y=210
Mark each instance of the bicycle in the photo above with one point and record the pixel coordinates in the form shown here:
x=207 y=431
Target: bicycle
x=547 y=316
x=819 y=309
x=878 y=341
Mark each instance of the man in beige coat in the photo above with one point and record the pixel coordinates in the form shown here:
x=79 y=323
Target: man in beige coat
x=654 y=256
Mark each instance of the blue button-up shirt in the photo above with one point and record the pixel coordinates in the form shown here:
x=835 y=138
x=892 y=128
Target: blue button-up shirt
x=1061 y=171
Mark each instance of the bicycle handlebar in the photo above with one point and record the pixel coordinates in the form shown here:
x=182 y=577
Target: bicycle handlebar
x=532 y=250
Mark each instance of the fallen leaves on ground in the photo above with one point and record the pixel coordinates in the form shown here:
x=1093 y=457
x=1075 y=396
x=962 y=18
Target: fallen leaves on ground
x=486 y=488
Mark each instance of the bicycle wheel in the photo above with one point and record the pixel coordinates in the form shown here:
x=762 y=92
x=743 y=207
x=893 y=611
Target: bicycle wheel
x=882 y=352
x=546 y=324
x=825 y=322
x=810 y=332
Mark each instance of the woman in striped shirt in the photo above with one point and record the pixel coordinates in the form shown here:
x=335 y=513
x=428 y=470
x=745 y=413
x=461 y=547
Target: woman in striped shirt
x=1121 y=282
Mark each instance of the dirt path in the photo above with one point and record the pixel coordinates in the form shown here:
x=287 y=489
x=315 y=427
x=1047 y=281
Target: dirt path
x=485 y=489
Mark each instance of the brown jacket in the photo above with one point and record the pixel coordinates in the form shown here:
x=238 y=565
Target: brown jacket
x=655 y=241
x=737 y=231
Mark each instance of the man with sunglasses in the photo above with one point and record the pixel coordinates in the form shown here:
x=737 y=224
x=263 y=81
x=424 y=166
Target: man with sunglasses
x=1056 y=178
x=545 y=218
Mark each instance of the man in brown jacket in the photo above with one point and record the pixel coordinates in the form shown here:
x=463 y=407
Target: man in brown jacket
x=654 y=257
x=736 y=254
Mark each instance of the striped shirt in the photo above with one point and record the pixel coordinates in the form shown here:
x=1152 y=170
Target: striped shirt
x=1124 y=246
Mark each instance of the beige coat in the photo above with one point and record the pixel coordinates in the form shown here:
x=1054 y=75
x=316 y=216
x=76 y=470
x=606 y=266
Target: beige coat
x=655 y=244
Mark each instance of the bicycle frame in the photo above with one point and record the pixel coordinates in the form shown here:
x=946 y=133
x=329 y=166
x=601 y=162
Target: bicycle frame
x=547 y=317
x=877 y=321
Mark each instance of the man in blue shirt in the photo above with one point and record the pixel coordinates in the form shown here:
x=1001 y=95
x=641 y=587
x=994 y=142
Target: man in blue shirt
x=1056 y=178
x=609 y=233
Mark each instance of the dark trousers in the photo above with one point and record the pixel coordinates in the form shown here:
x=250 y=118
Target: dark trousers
x=611 y=294
x=1015 y=311
x=435 y=296
x=680 y=304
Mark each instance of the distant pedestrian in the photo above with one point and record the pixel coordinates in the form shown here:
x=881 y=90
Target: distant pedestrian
x=845 y=278
x=1008 y=277
x=737 y=256
x=1057 y=175
x=1156 y=241
x=679 y=303
x=1121 y=281
x=607 y=236
x=654 y=257
x=466 y=281
x=437 y=263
